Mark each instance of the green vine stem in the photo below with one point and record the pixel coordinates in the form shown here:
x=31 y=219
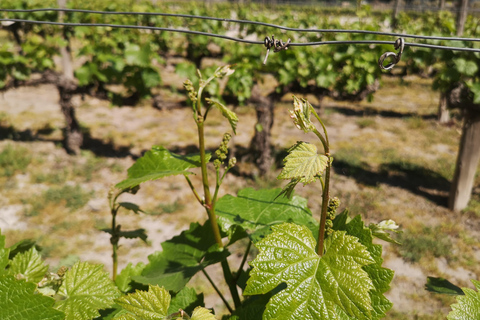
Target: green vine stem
x=114 y=239
x=208 y=204
x=244 y=259
x=325 y=186
x=217 y=290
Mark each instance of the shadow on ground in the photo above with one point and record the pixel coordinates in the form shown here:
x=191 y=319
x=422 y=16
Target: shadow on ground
x=368 y=111
x=406 y=175
x=97 y=146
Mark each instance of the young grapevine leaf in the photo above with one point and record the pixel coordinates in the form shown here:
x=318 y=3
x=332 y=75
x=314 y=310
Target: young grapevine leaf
x=303 y=162
x=131 y=206
x=18 y=301
x=132 y=234
x=257 y=211
x=28 y=266
x=442 y=285
x=158 y=163
x=153 y=305
x=186 y=299
x=22 y=246
x=143 y=305
x=467 y=306
x=227 y=113
x=380 y=276
x=202 y=314
x=86 y=288
x=124 y=279
x=4 y=253
x=316 y=286
x=182 y=257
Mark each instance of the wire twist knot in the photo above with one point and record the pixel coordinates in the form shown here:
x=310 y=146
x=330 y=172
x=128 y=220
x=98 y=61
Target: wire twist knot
x=277 y=45
x=399 y=45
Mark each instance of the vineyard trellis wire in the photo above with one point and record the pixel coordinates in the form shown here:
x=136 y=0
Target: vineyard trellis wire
x=293 y=44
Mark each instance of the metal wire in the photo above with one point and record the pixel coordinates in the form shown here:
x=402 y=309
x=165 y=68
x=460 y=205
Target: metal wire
x=392 y=34
x=293 y=44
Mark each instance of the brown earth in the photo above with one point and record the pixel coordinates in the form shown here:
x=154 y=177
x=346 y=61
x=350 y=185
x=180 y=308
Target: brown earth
x=392 y=161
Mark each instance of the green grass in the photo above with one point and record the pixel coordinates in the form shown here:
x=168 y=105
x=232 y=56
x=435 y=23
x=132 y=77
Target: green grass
x=72 y=197
x=415 y=122
x=14 y=159
x=366 y=123
x=167 y=208
x=424 y=243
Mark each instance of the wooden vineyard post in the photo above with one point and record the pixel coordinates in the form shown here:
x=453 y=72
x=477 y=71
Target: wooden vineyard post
x=396 y=10
x=66 y=86
x=260 y=144
x=441 y=5
x=461 y=16
x=467 y=161
x=443 y=112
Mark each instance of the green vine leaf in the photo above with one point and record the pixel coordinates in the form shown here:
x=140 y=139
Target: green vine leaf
x=258 y=210
x=4 y=253
x=443 y=286
x=22 y=246
x=18 y=301
x=131 y=206
x=467 y=306
x=158 y=163
x=124 y=279
x=227 y=113
x=182 y=257
x=201 y=313
x=131 y=234
x=143 y=305
x=316 y=286
x=28 y=266
x=380 y=276
x=186 y=299
x=86 y=288
x=303 y=162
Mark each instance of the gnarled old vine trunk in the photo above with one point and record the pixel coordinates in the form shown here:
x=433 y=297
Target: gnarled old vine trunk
x=73 y=136
x=66 y=85
x=469 y=151
x=260 y=145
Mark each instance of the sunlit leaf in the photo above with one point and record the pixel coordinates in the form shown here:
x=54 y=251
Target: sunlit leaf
x=303 y=162
x=18 y=301
x=202 y=314
x=467 y=306
x=158 y=163
x=315 y=285
x=28 y=266
x=380 y=276
x=86 y=288
x=143 y=305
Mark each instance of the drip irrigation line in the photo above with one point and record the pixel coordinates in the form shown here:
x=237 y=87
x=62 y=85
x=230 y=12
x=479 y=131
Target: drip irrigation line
x=293 y=44
x=392 y=34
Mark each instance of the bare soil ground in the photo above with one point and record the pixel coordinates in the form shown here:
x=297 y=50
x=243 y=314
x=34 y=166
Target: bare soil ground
x=392 y=161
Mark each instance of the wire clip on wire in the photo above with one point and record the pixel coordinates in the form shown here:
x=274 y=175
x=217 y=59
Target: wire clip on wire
x=399 y=45
x=277 y=45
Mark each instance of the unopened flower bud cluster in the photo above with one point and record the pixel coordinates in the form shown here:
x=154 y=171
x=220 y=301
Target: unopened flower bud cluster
x=192 y=94
x=222 y=152
x=331 y=212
